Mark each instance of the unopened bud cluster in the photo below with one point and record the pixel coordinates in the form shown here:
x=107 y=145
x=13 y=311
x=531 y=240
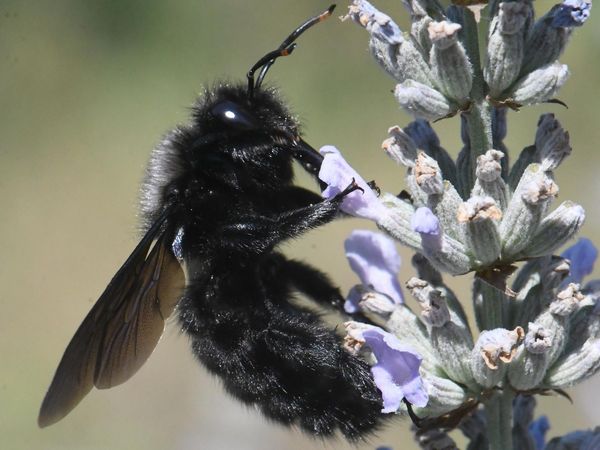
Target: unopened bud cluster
x=432 y=66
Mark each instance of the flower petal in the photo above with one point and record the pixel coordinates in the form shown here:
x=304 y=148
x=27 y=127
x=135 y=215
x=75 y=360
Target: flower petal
x=424 y=221
x=537 y=430
x=373 y=257
x=582 y=256
x=351 y=305
x=396 y=373
x=338 y=175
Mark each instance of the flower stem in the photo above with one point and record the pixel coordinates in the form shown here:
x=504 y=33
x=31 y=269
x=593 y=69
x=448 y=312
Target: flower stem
x=479 y=116
x=498 y=411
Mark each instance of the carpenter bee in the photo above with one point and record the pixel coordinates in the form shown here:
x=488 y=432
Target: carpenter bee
x=217 y=200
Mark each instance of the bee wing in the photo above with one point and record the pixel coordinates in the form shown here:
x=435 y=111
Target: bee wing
x=122 y=329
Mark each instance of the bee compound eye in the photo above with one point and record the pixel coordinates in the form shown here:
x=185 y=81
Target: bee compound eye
x=232 y=114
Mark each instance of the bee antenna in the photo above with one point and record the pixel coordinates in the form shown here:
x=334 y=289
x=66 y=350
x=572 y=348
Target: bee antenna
x=286 y=48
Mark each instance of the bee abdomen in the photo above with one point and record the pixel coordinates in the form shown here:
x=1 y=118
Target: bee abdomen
x=292 y=368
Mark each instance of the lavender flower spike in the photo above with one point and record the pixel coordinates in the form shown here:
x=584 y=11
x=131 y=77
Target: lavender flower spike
x=373 y=257
x=582 y=255
x=396 y=372
x=338 y=175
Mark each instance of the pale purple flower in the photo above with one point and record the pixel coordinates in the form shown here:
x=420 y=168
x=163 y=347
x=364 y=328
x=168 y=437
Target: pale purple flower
x=396 y=373
x=373 y=257
x=353 y=299
x=424 y=221
x=378 y=24
x=338 y=175
x=582 y=256
x=571 y=13
x=537 y=430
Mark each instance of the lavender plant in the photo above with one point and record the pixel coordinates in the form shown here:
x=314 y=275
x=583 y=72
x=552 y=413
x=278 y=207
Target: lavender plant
x=480 y=214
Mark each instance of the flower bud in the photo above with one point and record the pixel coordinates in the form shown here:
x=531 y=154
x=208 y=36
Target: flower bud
x=428 y=175
x=551 y=32
x=556 y=229
x=400 y=147
x=581 y=356
x=427 y=272
x=555 y=319
x=575 y=367
x=444 y=396
x=548 y=275
x=489 y=182
x=449 y=62
x=571 y=13
x=402 y=60
x=398 y=56
x=540 y=85
x=361 y=298
x=529 y=366
x=480 y=217
x=493 y=350
x=506 y=46
x=551 y=142
x=425 y=138
x=422 y=101
x=525 y=210
x=452 y=342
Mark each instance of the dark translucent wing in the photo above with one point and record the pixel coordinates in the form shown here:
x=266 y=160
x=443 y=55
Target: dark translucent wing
x=121 y=330
x=137 y=324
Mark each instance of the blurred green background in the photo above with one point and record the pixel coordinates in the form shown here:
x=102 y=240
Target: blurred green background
x=87 y=89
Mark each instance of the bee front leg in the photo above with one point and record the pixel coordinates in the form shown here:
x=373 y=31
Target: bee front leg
x=258 y=234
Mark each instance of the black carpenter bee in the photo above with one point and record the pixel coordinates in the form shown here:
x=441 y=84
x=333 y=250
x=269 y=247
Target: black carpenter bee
x=217 y=200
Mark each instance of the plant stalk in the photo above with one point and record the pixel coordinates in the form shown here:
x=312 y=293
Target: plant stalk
x=498 y=413
x=479 y=116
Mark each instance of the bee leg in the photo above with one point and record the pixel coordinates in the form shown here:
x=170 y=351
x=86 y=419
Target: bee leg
x=310 y=281
x=321 y=385
x=294 y=197
x=316 y=285
x=259 y=234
